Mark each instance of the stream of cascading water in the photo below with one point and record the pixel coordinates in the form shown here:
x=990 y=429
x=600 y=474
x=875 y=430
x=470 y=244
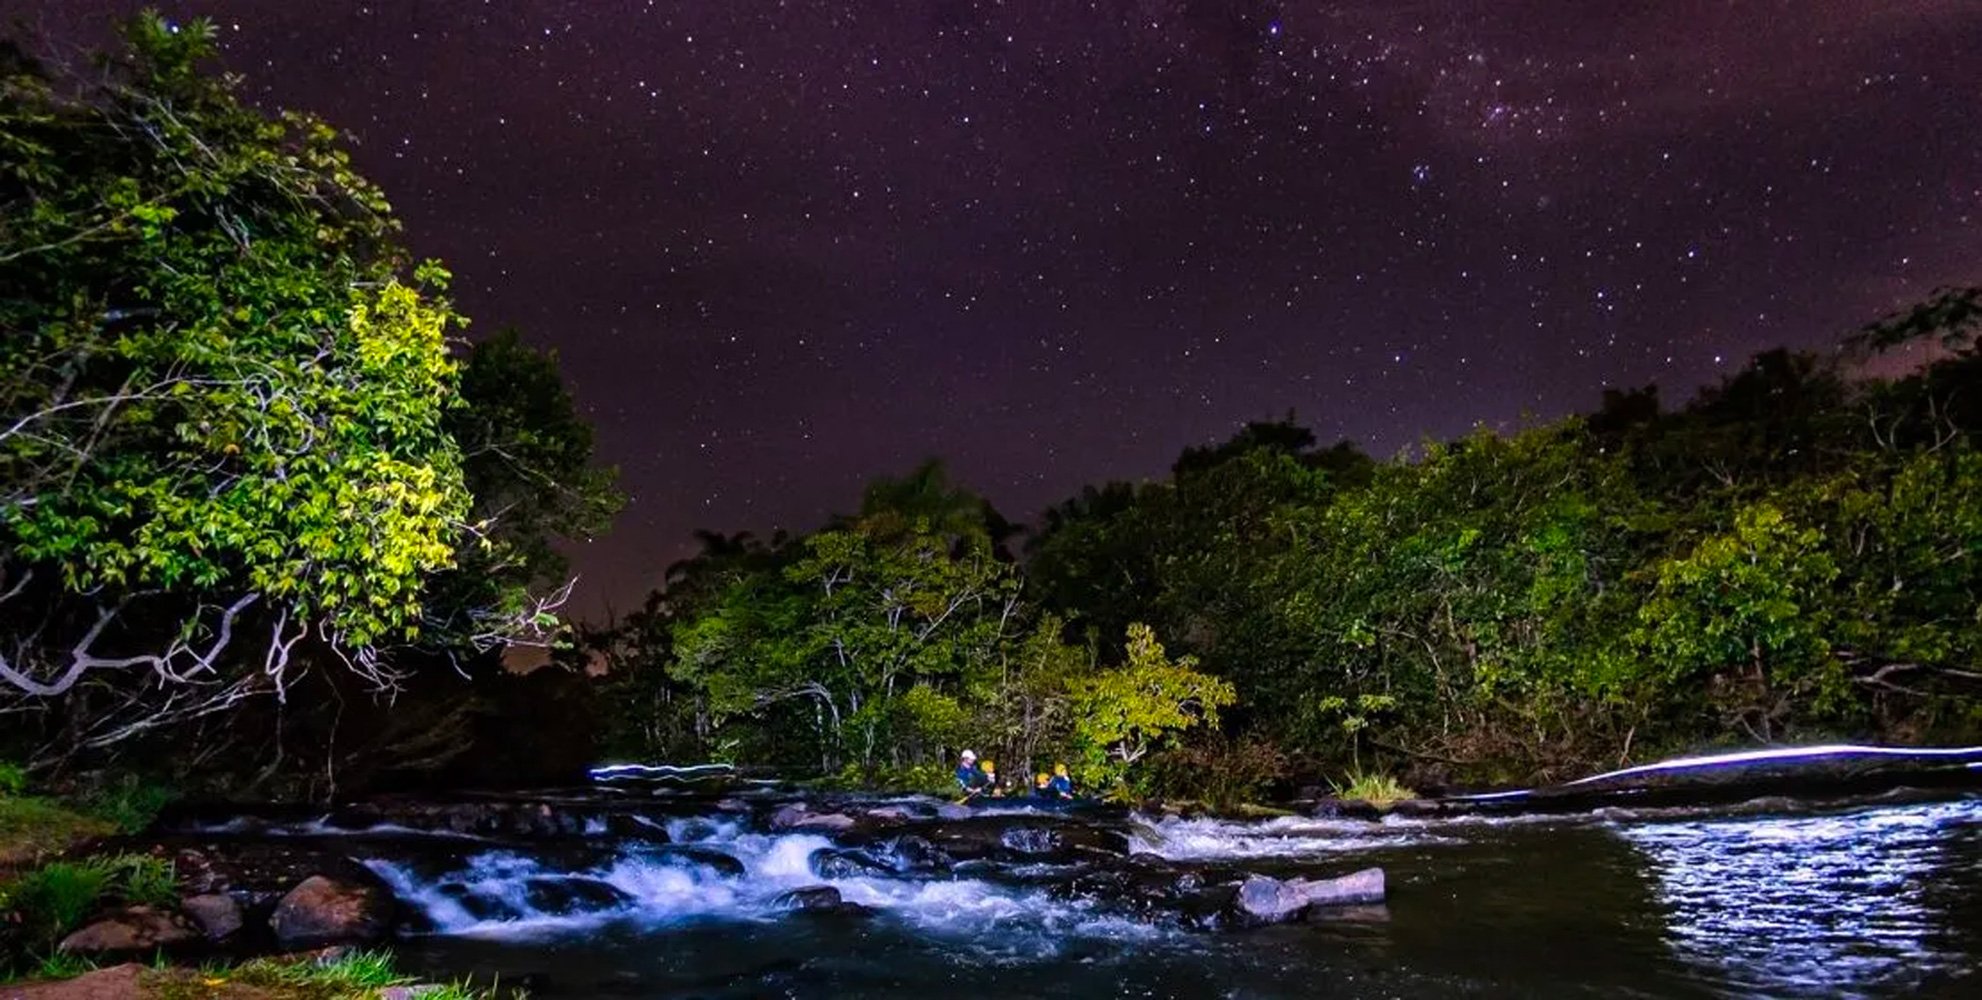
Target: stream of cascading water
x=513 y=894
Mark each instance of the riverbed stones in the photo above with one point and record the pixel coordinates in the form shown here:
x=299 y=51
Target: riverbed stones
x=217 y=914
x=326 y=911
x=840 y=862
x=797 y=816
x=129 y=931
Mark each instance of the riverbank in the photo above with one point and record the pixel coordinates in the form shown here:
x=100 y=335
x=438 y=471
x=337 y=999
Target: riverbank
x=339 y=976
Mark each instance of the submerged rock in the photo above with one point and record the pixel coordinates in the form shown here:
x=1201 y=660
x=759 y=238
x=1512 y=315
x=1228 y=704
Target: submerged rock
x=1270 y=900
x=723 y=864
x=822 y=899
x=564 y=896
x=840 y=862
x=326 y=911
x=798 y=816
x=130 y=931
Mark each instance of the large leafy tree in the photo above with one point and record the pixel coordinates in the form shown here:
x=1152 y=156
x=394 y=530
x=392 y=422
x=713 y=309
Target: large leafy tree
x=224 y=402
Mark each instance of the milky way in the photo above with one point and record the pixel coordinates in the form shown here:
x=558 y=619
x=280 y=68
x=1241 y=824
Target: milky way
x=784 y=247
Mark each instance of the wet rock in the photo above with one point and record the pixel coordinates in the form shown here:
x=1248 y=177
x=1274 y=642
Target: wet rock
x=217 y=914
x=838 y=863
x=811 y=897
x=1031 y=839
x=910 y=853
x=1263 y=900
x=724 y=865
x=1420 y=807
x=1338 y=808
x=819 y=899
x=130 y=931
x=798 y=817
x=628 y=826
x=325 y=911
x=478 y=905
x=562 y=897
x=892 y=814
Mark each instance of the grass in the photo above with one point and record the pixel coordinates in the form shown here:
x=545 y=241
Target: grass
x=1379 y=790
x=40 y=906
x=32 y=827
x=361 y=975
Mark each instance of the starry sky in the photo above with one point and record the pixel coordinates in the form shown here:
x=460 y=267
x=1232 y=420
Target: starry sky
x=784 y=247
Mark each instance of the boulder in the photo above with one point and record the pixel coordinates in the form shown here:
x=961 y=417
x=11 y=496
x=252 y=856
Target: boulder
x=217 y=914
x=820 y=899
x=628 y=826
x=910 y=853
x=1263 y=900
x=797 y=816
x=1338 y=808
x=133 y=930
x=326 y=911
x=811 y=897
x=723 y=864
x=835 y=863
x=562 y=897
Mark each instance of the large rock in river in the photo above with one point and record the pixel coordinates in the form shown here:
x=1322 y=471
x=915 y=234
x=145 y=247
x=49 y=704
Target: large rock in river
x=1270 y=900
x=131 y=931
x=326 y=911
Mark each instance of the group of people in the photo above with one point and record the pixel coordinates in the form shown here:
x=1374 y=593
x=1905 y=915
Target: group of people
x=979 y=779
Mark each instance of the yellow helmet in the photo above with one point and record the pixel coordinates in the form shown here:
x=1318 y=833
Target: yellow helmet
x=1060 y=769
x=1039 y=779
x=986 y=766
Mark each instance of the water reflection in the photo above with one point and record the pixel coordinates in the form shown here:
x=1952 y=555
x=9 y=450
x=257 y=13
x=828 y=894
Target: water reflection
x=1836 y=905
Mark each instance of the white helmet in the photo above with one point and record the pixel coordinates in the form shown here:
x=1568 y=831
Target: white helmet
x=970 y=755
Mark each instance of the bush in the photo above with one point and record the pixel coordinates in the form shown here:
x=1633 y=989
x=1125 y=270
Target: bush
x=48 y=902
x=130 y=802
x=52 y=900
x=1218 y=770
x=13 y=778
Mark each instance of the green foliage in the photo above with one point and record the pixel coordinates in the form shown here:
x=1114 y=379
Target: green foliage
x=13 y=778
x=1218 y=769
x=49 y=902
x=232 y=419
x=61 y=965
x=1379 y=790
x=1120 y=715
x=129 y=802
x=43 y=904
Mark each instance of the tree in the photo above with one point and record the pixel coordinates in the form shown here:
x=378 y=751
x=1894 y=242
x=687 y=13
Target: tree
x=224 y=403
x=1120 y=715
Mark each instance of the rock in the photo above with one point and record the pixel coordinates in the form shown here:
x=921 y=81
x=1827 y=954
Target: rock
x=1270 y=900
x=479 y=906
x=1031 y=839
x=820 y=899
x=724 y=865
x=562 y=897
x=910 y=853
x=628 y=826
x=1338 y=808
x=217 y=914
x=836 y=863
x=811 y=897
x=1419 y=807
x=797 y=816
x=951 y=810
x=325 y=911
x=130 y=931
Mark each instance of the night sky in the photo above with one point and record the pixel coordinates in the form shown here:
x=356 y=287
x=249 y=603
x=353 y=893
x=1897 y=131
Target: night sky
x=782 y=248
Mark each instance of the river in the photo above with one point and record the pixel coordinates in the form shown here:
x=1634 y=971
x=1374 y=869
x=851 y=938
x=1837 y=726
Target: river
x=1879 y=899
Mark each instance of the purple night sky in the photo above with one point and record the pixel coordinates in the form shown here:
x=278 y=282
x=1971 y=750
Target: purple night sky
x=782 y=248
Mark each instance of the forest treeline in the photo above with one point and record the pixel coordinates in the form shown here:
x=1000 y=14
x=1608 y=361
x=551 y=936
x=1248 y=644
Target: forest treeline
x=263 y=508
x=1790 y=555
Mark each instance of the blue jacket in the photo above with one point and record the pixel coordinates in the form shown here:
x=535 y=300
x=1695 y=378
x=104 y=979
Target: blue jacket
x=969 y=777
x=1061 y=785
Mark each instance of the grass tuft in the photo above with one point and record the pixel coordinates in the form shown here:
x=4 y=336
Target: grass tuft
x=1379 y=790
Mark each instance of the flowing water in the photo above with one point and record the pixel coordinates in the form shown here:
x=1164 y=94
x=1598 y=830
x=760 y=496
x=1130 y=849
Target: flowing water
x=1771 y=900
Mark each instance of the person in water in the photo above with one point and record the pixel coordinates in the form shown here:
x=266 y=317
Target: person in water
x=1061 y=786
x=970 y=780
